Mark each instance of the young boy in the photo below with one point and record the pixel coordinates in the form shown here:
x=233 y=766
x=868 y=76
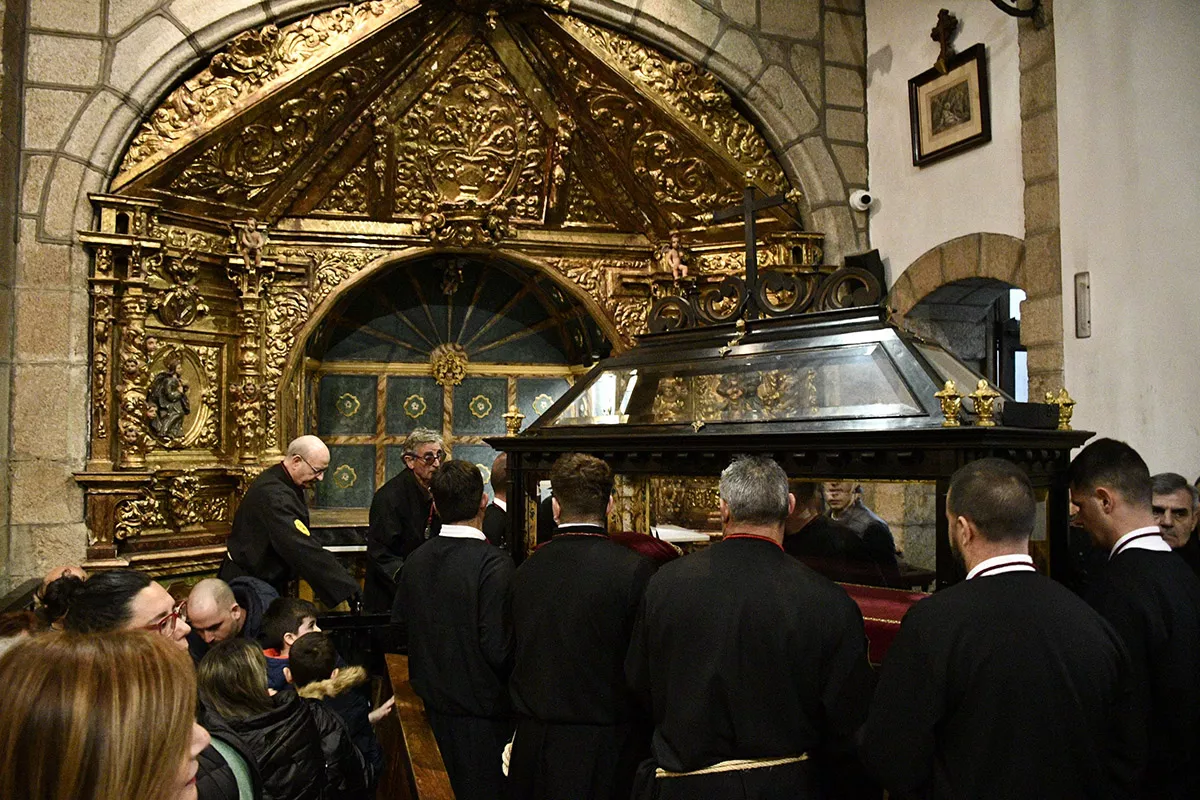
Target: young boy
x=312 y=669
x=285 y=621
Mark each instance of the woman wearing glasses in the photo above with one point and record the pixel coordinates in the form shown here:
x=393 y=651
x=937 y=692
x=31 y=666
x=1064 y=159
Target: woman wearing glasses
x=98 y=717
x=122 y=599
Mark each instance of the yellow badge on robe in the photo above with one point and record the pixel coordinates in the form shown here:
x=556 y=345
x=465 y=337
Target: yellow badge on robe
x=300 y=527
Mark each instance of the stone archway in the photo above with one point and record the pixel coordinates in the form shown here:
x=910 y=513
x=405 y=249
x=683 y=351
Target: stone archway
x=1002 y=258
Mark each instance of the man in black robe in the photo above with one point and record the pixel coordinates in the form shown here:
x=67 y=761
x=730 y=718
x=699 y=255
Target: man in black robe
x=1006 y=685
x=1173 y=502
x=580 y=733
x=270 y=538
x=402 y=517
x=452 y=596
x=755 y=666
x=1152 y=598
x=495 y=519
x=833 y=549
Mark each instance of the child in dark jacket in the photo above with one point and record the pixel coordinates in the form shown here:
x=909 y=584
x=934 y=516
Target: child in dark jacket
x=312 y=669
x=285 y=621
x=301 y=751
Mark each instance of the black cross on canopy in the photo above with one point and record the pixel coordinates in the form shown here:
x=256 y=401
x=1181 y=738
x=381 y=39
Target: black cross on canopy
x=748 y=207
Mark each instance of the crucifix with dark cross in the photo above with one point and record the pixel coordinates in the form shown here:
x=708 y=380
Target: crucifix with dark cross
x=746 y=210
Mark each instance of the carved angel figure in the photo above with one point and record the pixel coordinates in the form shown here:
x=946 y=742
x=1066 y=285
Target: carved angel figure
x=250 y=242
x=168 y=397
x=674 y=258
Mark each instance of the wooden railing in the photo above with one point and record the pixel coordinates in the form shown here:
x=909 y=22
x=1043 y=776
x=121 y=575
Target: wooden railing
x=415 y=770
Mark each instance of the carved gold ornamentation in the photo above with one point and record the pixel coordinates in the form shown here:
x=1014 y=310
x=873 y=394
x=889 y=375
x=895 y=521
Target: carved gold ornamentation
x=951 y=402
x=476 y=142
x=984 y=397
x=512 y=420
x=181 y=303
x=102 y=325
x=352 y=194
x=331 y=267
x=694 y=93
x=449 y=363
x=131 y=387
x=209 y=428
x=252 y=64
x=190 y=506
x=287 y=309
x=1066 y=407
x=136 y=513
x=248 y=415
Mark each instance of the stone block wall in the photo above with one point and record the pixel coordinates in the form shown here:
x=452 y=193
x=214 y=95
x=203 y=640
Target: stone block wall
x=96 y=68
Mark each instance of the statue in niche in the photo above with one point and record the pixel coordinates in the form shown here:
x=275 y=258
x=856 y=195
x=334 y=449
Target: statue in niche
x=168 y=398
x=250 y=242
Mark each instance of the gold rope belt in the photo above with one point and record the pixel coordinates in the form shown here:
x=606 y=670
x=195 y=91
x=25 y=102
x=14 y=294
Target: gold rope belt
x=735 y=765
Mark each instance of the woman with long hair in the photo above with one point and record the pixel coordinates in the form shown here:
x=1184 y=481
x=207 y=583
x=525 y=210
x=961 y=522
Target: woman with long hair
x=97 y=717
x=124 y=599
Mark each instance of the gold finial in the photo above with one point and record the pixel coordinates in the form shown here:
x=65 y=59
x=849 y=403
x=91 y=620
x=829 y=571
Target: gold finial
x=739 y=334
x=1066 y=407
x=706 y=218
x=512 y=420
x=795 y=197
x=985 y=399
x=697 y=424
x=951 y=402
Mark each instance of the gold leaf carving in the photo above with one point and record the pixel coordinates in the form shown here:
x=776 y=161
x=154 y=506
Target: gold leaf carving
x=331 y=267
x=287 y=308
x=470 y=139
x=254 y=61
x=351 y=195
x=449 y=363
x=694 y=93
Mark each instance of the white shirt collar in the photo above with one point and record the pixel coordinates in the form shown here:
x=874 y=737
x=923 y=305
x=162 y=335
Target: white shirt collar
x=461 y=532
x=501 y=504
x=1013 y=562
x=1140 y=539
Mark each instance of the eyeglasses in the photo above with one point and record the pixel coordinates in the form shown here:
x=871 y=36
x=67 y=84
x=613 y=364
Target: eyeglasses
x=310 y=466
x=166 y=626
x=428 y=458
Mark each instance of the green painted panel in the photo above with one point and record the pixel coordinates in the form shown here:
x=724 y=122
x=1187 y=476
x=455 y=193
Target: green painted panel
x=350 y=480
x=413 y=403
x=535 y=395
x=479 y=406
x=346 y=405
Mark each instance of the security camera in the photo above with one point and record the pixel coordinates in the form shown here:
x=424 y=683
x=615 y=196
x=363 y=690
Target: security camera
x=861 y=200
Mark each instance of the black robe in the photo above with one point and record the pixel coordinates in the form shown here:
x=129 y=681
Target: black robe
x=580 y=733
x=1152 y=598
x=453 y=596
x=1004 y=686
x=495 y=526
x=1190 y=552
x=400 y=513
x=270 y=541
x=745 y=653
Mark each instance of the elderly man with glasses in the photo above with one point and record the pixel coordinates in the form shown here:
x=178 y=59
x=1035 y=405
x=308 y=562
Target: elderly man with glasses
x=402 y=517
x=270 y=538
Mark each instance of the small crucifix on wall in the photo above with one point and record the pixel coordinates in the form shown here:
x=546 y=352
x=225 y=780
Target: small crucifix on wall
x=746 y=210
x=943 y=33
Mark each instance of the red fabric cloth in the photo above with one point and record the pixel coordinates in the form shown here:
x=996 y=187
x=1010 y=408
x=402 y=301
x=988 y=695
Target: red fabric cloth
x=882 y=611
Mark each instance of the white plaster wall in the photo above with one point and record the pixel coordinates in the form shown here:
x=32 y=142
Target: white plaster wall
x=1129 y=160
x=980 y=190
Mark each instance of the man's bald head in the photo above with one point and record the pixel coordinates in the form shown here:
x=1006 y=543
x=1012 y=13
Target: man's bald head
x=213 y=611
x=307 y=459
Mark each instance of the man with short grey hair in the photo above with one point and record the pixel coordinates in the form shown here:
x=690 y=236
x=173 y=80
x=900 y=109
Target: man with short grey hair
x=1173 y=501
x=402 y=517
x=270 y=539
x=726 y=647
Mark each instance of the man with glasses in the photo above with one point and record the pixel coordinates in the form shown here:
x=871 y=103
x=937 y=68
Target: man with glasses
x=270 y=538
x=402 y=517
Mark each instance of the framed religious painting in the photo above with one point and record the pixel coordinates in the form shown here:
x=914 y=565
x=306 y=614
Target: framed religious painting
x=950 y=112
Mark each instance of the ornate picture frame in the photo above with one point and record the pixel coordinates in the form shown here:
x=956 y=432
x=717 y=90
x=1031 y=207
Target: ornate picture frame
x=950 y=112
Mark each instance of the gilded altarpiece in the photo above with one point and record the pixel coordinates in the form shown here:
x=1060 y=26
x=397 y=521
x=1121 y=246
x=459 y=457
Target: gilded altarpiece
x=311 y=158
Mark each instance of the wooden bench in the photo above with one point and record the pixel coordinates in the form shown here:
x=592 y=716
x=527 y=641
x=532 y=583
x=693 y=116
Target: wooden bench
x=414 y=764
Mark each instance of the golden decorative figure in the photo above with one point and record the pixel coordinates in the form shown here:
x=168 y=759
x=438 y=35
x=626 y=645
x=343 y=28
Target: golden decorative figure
x=740 y=327
x=449 y=363
x=697 y=424
x=951 y=402
x=1066 y=407
x=674 y=258
x=512 y=420
x=985 y=399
